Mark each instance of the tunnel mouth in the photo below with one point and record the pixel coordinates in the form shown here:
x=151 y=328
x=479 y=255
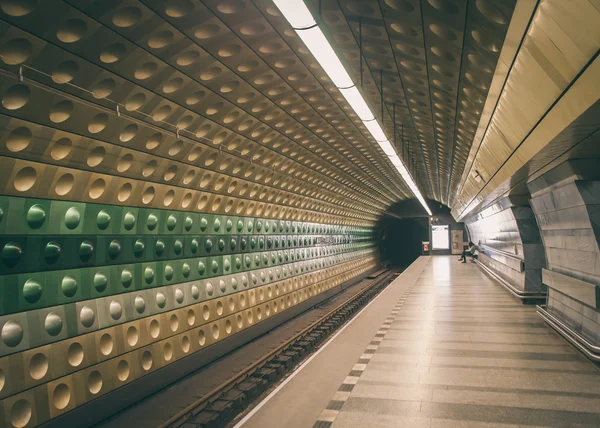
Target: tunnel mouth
x=402 y=232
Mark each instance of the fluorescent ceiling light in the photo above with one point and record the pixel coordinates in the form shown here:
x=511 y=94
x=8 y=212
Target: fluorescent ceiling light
x=357 y=102
x=375 y=130
x=395 y=160
x=296 y=12
x=387 y=147
x=319 y=46
x=300 y=18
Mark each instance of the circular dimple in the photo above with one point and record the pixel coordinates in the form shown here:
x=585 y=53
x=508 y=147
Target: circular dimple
x=445 y=6
x=124 y=192
x=486 y=40
x=36 y=216
x=149 y=275
x=96 y=156
x=17 y=7
x=97 y=188
x=172 y=85
x=75 y=354
x=123 y=370
x=403 y=29
x=401 y=5
x=100 y=282
x=229 y=50
x=94 y=382
x=106 y=344
x=179 y=295
x=132 y=336
x=215 y=331
x=25 y=179
x=20 y=413
x=98 y=123
x=16 y=51
x=447 y=56
x=147 y=360
x=160 y=39
x=168 y=198
x=185 y=344
x=247 y=66
x=129 y=220
x=126 y=17
x=86 y=249
x=168 y=272
x=103 y=88
x=64 y=184
x=492 y=11
x=38 y=366
x=68 y=286
x=187 y=58
x=443 y=32
x=173 y=323
x=139 y=304
x=126 y=278
x=71 y=31
x=154 y=329
x=32 y=290
x=161 y=300
x=16 y=97
x=179 y=8
x=61 y=111
x=125 y=162
x=135 y=102
x=52 y=252
x=53 y=324
x=113 y=53
x=61 y=149
x=61 y=396
x=72 y=218
x=161 y=113
x=115 y=309
x=145 y=71
x=167 y=352
x=201 y=338
x=12 y=333
x=206 y=31
x=87 y=316
x=18 y=139
x=65 y=72
x=252 y=29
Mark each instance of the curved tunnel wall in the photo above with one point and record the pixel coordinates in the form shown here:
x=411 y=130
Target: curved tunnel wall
x=566 y=203
x=133 y=239
x=509 y=243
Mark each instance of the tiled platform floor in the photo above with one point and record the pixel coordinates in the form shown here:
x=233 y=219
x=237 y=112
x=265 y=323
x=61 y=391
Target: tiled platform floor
x=456 y=350
x=461 y=352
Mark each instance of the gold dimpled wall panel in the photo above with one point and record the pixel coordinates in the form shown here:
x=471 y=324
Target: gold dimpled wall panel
x=161 y=191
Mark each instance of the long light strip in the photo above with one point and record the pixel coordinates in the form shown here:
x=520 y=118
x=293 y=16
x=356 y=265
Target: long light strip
x=305 y=25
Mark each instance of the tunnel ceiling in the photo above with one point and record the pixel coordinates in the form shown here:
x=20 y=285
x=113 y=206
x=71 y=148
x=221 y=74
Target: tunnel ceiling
x=233 y=76
x=434 y=60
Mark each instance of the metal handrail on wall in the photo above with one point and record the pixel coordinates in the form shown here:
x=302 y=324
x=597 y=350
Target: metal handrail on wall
x=520 y=294
x=589 y=349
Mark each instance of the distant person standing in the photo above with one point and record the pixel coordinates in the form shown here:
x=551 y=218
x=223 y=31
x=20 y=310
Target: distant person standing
x=468 y=252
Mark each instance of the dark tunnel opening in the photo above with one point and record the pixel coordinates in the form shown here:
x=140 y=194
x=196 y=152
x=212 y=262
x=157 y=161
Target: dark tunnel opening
x=401 y=233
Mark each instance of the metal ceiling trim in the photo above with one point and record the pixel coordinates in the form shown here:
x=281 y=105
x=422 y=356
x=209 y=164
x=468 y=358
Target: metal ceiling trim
x=580 y=96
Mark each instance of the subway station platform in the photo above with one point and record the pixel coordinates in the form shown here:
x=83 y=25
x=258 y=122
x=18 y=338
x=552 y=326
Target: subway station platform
x=443 y=346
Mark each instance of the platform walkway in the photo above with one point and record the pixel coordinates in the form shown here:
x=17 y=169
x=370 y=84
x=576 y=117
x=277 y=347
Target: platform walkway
x=443 y=346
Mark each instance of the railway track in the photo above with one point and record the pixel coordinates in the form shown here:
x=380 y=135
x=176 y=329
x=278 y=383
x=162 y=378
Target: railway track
x=221 y=405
